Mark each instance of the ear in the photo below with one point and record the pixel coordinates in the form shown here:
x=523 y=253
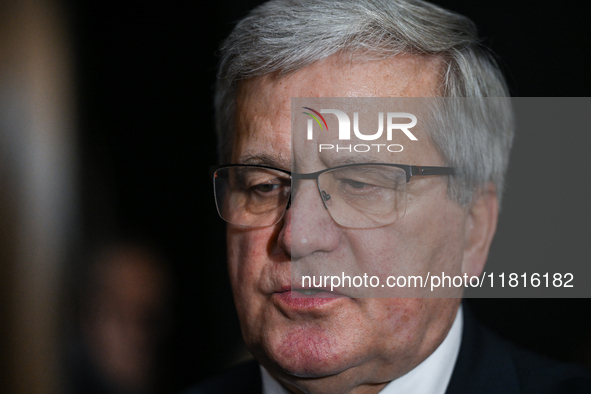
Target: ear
x=481 y=224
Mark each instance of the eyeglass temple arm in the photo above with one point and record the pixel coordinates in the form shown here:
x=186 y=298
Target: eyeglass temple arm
x=429 y=170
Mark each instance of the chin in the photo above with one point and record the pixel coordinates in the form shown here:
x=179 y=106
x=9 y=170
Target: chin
x=312 y=353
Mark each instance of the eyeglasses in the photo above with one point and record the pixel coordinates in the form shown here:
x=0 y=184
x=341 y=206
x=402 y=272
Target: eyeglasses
x=355 y=195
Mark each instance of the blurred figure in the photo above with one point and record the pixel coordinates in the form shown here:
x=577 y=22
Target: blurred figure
x=122 y=318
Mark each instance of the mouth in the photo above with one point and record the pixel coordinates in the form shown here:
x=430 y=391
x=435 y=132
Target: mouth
x=306 y=292
x=314 y=293
x=306 y=298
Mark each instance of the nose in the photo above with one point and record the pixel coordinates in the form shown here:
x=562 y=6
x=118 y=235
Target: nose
x=307 y=226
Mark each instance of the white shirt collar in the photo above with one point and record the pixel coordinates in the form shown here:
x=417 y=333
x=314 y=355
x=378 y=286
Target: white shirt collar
x=429 y=377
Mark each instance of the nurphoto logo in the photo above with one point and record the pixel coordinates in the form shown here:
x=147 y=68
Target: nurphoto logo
x=345 y=130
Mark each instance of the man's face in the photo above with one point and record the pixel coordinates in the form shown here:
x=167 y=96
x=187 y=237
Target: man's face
x=341 y=342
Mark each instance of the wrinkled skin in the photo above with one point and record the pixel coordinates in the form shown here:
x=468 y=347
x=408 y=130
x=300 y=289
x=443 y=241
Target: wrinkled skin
x=347 y=345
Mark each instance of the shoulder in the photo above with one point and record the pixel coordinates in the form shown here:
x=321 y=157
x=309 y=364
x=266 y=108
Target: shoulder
x=245 y=378
x=538 y=374
x=489 y=364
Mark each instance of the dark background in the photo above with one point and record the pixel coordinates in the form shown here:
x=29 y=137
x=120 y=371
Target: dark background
x=145 y=72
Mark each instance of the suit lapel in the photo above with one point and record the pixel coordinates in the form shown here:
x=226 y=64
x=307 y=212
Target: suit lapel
x=483 y=364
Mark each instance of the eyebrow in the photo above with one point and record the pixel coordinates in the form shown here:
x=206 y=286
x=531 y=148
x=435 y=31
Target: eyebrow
x=354 y=159
x=266 y=159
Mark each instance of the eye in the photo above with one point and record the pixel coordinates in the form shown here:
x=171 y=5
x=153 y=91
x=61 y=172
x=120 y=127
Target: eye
x=270 y=188
x=266 y=187
x=355 y=184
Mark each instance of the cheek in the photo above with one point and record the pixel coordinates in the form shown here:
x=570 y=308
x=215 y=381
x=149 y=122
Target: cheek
x=428 y=240
x=433 y=239
x=418 y=324
x=247 y=253
x=245 y=262
x=252 y=274
x=445 y=236
x=403 y=315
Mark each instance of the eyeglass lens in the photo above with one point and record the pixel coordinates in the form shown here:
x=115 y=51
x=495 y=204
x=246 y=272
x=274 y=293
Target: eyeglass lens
x=251 y=196
x=362 y=196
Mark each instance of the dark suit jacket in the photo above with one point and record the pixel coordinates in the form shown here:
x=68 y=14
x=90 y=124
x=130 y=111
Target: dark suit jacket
x=486 y=365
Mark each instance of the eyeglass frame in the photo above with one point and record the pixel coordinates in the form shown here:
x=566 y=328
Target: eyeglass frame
x=410 y=171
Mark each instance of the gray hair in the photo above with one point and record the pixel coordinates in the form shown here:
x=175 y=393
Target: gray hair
x=283 y=36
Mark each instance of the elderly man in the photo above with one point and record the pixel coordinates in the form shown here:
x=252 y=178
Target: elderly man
x=329 y=342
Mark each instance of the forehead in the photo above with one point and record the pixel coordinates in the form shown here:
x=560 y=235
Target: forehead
x=264 y=103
